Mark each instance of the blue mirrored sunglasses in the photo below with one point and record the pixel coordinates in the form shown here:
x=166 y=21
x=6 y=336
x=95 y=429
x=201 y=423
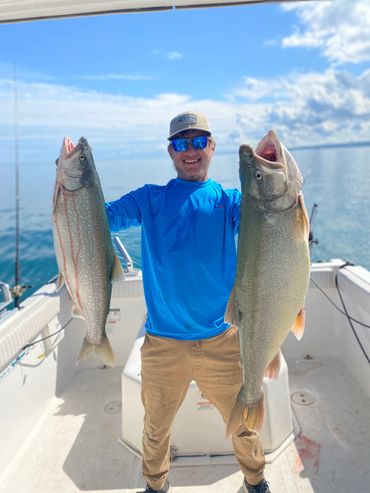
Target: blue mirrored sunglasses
x=181 y=145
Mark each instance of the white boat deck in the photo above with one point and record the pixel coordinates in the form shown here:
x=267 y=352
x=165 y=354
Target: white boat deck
x=76 y=445
x=61 y=425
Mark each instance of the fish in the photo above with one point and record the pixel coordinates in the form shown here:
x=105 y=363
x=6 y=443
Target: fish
x=83 y=246
x=272 y=273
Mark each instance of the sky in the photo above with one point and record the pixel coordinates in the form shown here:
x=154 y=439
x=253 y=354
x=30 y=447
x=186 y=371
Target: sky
x=301 y=68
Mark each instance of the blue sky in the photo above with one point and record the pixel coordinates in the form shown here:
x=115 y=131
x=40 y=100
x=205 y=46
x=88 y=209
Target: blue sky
x=303 y=69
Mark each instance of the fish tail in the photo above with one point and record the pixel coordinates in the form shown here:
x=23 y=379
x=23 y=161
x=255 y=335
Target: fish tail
x=104 y=351
x=250 y=416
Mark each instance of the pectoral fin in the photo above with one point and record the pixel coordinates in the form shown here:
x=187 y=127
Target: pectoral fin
x=273 y=368
x=60 y=281
x=306 y=220
x=117 y=271
x=232 y=314
x=77 y=313
x=56 y=195
x=298 y=327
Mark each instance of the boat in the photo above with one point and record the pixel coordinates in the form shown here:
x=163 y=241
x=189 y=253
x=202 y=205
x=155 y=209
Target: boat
x=69 y=428
x=20 y=11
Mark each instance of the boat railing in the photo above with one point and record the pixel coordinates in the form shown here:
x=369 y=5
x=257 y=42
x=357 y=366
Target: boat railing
x=122 y=250
x=22 y=326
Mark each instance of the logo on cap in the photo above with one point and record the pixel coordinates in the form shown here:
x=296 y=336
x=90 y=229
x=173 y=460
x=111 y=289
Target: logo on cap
x=188 y=119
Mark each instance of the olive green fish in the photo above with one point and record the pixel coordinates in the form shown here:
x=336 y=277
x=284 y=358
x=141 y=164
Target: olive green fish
x=273 y=269
x=83 y=246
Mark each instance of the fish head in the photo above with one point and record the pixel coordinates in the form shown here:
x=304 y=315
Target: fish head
x=270 y=175
x=75 y=165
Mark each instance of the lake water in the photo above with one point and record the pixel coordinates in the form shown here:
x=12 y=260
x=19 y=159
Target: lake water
x=337 y=179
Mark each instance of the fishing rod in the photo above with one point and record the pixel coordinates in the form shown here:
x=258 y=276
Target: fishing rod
x=311 y=240
x=18 y=288
x=16 y=153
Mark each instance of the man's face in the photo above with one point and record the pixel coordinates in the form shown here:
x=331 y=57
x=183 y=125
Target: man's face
x=192 y=164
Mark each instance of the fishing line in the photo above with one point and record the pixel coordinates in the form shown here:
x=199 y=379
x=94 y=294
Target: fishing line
x=40 y=340
x=46 y=337
x=349 y=319
x=345 y=311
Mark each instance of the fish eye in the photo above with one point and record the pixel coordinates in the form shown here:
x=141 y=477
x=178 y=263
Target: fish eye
x=82 y=157
x=258 y=175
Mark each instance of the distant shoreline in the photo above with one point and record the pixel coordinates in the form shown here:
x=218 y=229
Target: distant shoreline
x=365 y=143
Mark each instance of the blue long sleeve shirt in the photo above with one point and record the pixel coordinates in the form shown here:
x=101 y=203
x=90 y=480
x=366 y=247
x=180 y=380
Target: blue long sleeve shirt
x=188 y=253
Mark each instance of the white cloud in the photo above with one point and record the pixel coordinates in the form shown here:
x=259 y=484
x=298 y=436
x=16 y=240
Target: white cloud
x=305 y=109
x=174 y=55
x=122 y=76
x=315 y=108
x=23 y=73
x=256 y=89
x=339 y=28
x=168 y=55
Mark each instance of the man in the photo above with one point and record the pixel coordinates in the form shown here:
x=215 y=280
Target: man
x=188 y=263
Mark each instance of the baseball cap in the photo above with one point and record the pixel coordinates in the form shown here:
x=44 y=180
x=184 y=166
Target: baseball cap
x=189 y=120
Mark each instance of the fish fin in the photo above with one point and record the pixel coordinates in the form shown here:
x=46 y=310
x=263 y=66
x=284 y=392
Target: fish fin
x=273 y=368
x=255 y=415
x=298 y=327
x=117 y=270
x=306 y=221
x=104 y=351
x=250 y=416
x=232 y=314
x=77 y=313
x=60 y=282
x=237 y=417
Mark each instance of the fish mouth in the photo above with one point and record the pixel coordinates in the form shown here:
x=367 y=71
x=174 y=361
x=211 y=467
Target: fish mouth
x=68 y=144
x=68 y=148
x=270 y=151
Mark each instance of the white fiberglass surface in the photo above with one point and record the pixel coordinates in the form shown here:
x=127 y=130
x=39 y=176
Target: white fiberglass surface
x=76 y=446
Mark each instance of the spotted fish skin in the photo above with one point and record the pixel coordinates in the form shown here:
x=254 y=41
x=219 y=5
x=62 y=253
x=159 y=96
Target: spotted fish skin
x=83 y=246
x=273 y=269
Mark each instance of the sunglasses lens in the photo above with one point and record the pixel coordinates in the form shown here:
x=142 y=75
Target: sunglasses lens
x=200 y=142
x=180 y=145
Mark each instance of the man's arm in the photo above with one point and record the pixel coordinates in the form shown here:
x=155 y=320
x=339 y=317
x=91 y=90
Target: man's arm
x=235 y=202
x=124 y=212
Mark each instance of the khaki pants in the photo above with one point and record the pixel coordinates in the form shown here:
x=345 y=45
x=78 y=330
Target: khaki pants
x=167 y=368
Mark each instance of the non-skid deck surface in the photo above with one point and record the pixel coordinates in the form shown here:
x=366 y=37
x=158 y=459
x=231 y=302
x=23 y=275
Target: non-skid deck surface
x=76 y=446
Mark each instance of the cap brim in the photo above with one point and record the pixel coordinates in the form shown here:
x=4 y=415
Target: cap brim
x=188 y=129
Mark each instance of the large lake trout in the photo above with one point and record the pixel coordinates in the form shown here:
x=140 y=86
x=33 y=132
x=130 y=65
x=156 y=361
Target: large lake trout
x=83 y=246
x=273 y=269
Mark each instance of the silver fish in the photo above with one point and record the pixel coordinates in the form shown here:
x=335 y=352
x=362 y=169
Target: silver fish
x=273 y=269
x=83 y=246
